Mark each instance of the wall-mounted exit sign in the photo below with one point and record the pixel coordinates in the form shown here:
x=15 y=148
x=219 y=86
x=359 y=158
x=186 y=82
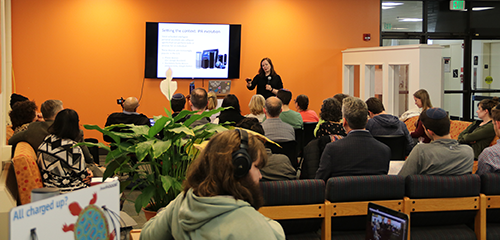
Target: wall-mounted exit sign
x=457 y=5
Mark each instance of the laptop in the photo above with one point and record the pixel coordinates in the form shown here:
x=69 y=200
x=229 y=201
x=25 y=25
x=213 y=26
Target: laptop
x=384 y=223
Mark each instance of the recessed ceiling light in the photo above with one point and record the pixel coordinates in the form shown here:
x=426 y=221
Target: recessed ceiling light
x=482 y=8
x=388 y=4
x=385 y=8
x=409 y=19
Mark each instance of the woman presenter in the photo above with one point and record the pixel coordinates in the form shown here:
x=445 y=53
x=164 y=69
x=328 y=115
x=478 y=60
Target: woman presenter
x=267 y=81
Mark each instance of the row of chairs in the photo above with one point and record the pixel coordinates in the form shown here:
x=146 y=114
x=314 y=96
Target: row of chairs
x=440 y=207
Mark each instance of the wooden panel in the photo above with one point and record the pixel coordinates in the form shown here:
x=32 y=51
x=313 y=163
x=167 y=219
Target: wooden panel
x=294 y=211
x=360 y=208
x=443 y=204
x=493 y=201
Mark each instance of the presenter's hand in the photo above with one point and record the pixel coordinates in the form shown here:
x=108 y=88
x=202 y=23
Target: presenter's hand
x=268 y=87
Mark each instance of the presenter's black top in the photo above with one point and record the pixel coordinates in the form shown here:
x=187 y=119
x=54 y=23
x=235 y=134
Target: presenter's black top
x=261 y=81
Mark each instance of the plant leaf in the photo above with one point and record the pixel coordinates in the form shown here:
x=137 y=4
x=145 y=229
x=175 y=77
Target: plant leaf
x=142 y=149
x=158 y=126
x=110 y=170
x=103 y=131
x=89 y=144
x=144 y=198
x=160 y=147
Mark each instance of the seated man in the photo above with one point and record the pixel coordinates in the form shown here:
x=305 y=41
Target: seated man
x=128 y=116
x=442 y=156
x=221 y=195
x=358 y=153
x=37 y=131
x=198 y=102
x=177 y=103
x=287 y=115
x=278 y=167
x=274 y=127
x=489 y=159
x=382 y=123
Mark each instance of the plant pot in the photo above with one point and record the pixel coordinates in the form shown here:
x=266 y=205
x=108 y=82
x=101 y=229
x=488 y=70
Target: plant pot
x=149 y=214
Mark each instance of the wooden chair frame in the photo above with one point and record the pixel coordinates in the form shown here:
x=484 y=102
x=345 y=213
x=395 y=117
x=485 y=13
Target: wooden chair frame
x=300 y=212
x=451 y=204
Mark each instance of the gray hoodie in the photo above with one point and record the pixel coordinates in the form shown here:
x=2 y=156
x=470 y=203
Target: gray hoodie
x=218 y=217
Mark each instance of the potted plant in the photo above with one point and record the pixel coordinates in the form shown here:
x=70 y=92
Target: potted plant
x=156 y=158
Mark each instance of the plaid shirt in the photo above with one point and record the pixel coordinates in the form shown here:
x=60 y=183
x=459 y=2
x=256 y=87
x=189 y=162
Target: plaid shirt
x=489 y=159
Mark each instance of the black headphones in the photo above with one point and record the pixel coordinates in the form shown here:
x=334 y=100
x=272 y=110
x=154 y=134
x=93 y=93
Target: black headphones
x=241 y=159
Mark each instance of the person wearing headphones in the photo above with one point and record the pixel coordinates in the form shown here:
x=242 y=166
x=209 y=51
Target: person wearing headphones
x=221 y=195
x=268 y=82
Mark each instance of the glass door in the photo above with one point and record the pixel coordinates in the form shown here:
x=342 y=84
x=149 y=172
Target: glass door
x=485 y=70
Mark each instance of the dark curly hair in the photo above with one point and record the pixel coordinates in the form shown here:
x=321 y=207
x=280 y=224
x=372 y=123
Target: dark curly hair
x=331 y=110
x=22 y=112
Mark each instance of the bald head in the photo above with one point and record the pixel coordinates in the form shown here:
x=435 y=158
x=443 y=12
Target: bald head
x=273 y=107
x=130 y=104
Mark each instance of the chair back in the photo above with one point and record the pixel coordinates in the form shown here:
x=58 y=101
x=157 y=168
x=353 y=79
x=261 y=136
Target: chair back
x=397 y=144
x=287 y=148
x=299 y=139
x=309 y=131
x=310 y=160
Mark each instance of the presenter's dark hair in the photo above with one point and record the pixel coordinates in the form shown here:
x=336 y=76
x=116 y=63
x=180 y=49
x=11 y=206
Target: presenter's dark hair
x=66 y=125
x=231 y=101
x=262 y=73
x=375 y=105
x=199 y=98
x=285 y=96
x=212 y=173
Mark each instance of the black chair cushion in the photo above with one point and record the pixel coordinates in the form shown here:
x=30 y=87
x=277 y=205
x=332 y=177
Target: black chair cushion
x=490 y=183
x=397 y=144
x=310 y=163
x=287 y=148
x=365 y=188
x=429 y=186
x=293 y=192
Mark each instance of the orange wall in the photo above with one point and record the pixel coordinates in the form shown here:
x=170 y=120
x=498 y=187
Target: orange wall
x=88 y=53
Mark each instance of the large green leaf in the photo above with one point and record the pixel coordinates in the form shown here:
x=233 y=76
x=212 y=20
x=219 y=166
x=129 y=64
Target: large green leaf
x=145 y=197
x=181 y=129
x=89 y=144
x=160 y=147
x=142 y=149
x=169 y=182
x=158 y=126
x=140 y=129
x=110 y=170
x=104 y=131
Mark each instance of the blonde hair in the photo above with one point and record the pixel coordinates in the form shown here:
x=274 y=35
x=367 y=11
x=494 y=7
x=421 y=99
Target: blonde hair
x=256 y=104
x=423 y=95
x=212 y=100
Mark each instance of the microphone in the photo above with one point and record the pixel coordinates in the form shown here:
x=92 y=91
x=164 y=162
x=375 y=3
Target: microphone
x=269 y=80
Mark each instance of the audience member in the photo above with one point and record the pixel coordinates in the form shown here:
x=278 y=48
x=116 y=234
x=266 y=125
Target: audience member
x=344 y=158
x=274 y=127
x=443 y=156
x=301 y=104
x=340 y=97
x=256 y=106
x=331 y=114
x=381 y=123
x=61 y=163
x=233 y=114
x=212 y=104
x=423 y=101
x=177 y=103
x=489 y=159
x=221 y=195
x=287 y=115
x=278 y=167
x=128 y=116
x=37 y=131
x=22 y=114
x=13 y=99
x=479 y=134
x=198 y=102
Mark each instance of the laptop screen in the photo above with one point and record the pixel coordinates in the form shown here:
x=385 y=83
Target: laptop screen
x=384 y=223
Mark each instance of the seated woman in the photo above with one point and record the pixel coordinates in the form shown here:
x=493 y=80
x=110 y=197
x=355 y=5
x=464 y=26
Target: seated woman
x=423 y=101
x=22 y=114
x=256 y=106
x=231 y=114
x=480 y=133
x=331 y=113
x=301 y=104
x=61 y=164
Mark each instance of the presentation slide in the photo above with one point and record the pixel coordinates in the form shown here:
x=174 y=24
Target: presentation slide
x=193 y=50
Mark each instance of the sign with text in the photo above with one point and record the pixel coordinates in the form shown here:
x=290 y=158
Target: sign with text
x=89 y=213
x=457 y=5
